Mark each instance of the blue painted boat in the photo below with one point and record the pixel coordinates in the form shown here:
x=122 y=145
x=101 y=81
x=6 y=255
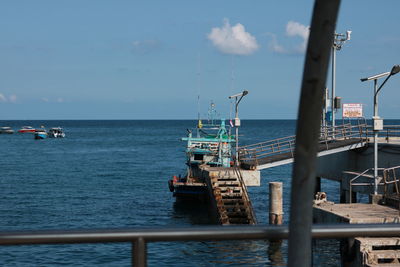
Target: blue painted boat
x=211 y=146
x=40 y=133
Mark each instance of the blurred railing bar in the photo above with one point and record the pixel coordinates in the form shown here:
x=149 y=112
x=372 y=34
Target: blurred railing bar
x=140 y=237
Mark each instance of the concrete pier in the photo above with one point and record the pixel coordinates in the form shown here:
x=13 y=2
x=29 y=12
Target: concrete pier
x=329 y=212
x=362 y=251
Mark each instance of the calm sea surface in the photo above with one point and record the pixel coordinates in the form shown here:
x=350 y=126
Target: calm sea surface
x=113 y=174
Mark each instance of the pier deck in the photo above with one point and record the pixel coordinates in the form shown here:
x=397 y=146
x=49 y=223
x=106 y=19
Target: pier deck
x=355 y=213
x=366 y=251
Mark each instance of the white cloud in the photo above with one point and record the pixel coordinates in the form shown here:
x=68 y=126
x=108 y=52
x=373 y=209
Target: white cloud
x=275 y=46
x=3 y=98
x=233 y=39
x=296 y=29
x=52 y=100
x=293 y=29
x=13 y=98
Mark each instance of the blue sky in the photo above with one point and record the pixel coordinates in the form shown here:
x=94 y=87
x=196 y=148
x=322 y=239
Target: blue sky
x=151 y=59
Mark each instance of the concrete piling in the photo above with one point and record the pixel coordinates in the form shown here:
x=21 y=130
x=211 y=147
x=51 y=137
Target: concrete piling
x=275 y=203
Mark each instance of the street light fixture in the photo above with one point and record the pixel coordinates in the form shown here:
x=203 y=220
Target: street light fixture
x=238 y=98
x=378 y=122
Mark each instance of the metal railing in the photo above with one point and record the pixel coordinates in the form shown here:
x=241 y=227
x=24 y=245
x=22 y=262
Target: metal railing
x=387 y=132
x=390 y=177
x=364 y=175
x=268 y=148
x=283 y=145
x=140 y=237
x=245 y=194
x=387 y=177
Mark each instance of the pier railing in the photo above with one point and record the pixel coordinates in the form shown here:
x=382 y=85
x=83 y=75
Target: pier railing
x=386 y=177
x=389 y=131
x=286 y=145
x=139 y=238
x=245 y=194
x=390 y=177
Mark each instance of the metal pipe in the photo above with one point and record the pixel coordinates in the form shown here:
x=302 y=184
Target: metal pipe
x=307 y=132
x=333 y=87
x=375 y=139
x=139 y=253
x=206 y=233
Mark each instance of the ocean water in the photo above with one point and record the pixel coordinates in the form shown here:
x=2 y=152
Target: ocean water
x=113 y=174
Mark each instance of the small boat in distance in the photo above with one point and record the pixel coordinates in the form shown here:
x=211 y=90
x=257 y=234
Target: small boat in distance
x=40 y=133
x=26 y=129
x=6 y=130
x=56 y=132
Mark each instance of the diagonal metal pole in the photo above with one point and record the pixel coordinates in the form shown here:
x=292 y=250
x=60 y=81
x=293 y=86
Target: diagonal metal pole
x=308 y=127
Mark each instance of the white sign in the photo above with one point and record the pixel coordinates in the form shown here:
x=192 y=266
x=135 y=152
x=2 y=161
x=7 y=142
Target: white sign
x=352 y=111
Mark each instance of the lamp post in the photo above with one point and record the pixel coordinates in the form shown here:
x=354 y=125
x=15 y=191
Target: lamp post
x=378 y=122
x=238 y=98
x=338 y=40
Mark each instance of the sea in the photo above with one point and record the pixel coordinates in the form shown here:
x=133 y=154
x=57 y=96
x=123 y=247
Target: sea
x=108 y=174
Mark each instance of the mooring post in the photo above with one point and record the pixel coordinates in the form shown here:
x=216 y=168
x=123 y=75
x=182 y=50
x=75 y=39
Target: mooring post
x=275 y=203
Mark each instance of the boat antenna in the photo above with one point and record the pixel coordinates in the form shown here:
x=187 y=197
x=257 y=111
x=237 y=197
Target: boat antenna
x=230 y=93
x=199 y=123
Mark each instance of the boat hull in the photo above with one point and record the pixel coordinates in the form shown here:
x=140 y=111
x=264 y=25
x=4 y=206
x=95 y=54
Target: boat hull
x=40 y=135
x=8 y=131
x=183 y=190
x=27 y=129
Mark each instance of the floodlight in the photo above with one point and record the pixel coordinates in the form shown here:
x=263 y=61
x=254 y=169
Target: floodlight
x=348 y=33
x=245 y=92
x=395 y=69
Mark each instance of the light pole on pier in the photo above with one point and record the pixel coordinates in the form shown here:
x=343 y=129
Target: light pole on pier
x=378 y=122
x=338 y=40
x=238 y=98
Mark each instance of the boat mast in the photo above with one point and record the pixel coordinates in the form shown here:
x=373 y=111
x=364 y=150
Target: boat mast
x=199 y=124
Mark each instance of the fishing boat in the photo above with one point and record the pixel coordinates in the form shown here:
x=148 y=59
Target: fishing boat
x=40 y=133
x=211 y=145
x=6 y=130
x=26 y=129
x=56 y=132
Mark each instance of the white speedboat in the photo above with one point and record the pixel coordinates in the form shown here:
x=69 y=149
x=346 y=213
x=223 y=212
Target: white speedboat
x=6 y=130
x=56 y=132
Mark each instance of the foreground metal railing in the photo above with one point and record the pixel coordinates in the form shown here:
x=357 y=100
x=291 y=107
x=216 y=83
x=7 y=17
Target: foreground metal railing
x=140 y=237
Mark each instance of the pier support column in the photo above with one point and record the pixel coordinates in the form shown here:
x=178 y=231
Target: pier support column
x=345 y=195
x=275 y=203
x=317 y=185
